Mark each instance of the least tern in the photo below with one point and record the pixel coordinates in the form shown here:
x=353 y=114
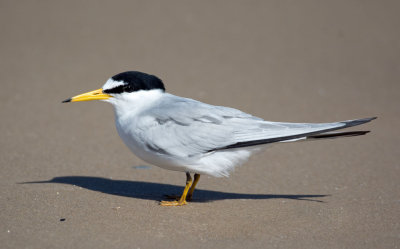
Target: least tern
x=186 y=135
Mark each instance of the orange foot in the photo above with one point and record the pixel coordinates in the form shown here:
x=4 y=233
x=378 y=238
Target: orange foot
x=172 y=203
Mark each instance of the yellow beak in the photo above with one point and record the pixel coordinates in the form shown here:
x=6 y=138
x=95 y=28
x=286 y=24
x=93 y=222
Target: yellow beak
x=93 y=95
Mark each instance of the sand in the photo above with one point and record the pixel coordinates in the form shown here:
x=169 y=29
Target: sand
x=68 y=181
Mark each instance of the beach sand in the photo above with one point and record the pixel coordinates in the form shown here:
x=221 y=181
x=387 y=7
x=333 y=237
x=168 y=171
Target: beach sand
x=68 y=181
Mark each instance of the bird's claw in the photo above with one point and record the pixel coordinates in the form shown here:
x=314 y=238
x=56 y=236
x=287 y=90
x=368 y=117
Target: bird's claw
x=172 y=203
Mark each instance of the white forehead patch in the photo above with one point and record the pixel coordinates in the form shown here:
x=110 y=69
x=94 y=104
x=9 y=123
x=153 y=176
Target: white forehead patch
x=112 y=84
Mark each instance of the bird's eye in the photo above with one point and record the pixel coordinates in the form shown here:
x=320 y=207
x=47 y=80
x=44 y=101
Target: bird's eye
x=115 y=90
x=128 y=88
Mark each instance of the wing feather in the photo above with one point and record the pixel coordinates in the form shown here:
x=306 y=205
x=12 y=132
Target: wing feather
x=185 y=127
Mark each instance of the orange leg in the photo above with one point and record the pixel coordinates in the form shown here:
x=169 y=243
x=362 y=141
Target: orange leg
x=182 y=200
x=196 y=180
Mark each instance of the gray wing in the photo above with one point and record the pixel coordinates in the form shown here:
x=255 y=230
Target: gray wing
x=185 y=127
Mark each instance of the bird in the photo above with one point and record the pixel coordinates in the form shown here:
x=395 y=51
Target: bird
x=186 y=135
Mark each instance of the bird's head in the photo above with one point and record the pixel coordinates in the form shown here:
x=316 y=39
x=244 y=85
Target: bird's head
x=121 y=86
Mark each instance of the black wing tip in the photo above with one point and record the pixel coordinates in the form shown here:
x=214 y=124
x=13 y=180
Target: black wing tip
x=355 y=122
x=364 y=120
x=66 y=101
x=338 y=134
x=369 y=119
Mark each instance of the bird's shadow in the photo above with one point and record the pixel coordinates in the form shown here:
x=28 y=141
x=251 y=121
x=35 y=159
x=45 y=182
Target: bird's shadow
x=156 y=191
